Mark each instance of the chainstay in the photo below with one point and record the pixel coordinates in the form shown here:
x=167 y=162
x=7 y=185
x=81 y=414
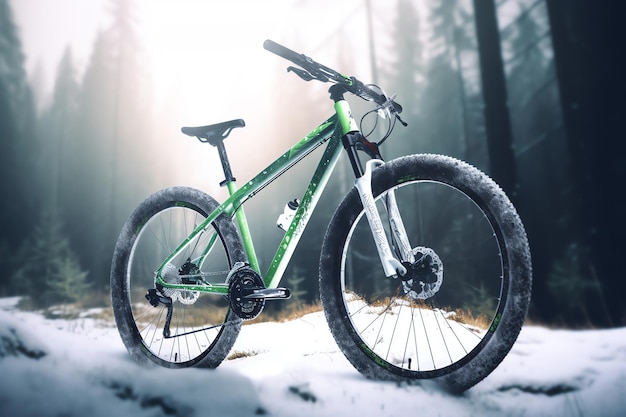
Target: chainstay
x=204 y=274
x=169 y=336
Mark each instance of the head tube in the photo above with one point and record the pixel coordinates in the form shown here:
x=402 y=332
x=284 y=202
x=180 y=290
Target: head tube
x=344 y=114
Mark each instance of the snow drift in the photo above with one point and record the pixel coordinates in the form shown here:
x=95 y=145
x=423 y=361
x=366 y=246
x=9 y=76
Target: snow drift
x=79 y=367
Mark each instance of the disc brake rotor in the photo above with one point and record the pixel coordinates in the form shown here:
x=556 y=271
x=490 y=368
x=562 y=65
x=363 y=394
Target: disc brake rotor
x=425 y=276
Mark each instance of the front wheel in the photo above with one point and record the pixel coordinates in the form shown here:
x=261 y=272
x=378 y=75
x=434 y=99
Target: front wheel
x=456 y=314
x=201 y=328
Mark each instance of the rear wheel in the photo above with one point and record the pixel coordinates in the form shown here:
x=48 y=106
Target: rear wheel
x=202 y=328
x=459 y=309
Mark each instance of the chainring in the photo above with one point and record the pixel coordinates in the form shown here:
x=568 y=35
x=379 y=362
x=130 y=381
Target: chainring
x=242 y=281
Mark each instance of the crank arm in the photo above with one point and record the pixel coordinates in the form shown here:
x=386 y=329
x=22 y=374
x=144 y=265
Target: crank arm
x=269 y=293
x=391 y=265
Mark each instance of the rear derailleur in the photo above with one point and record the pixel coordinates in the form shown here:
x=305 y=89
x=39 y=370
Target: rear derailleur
x=155 y=298
x=166 y=296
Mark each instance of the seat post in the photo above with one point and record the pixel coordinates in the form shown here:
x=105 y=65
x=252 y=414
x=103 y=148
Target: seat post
x=215 y=134
x=221 y=149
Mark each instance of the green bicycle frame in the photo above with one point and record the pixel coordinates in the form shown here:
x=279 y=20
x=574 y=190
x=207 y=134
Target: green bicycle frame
x=331 y=131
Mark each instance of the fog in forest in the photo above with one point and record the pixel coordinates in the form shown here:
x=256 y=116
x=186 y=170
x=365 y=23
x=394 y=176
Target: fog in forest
x=93 y=96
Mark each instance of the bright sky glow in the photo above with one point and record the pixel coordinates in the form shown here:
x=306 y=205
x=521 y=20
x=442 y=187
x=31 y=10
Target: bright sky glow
x=205 y=59
x=193 y=45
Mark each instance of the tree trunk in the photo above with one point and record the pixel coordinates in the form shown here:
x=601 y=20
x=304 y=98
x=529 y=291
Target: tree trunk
x=587 y=48
x=497 y=120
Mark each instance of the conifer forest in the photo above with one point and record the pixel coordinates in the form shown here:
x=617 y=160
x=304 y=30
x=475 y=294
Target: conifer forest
x=529 y=91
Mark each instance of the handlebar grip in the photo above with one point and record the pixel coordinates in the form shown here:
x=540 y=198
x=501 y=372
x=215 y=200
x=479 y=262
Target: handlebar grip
x=323 y=73
x=275 y=48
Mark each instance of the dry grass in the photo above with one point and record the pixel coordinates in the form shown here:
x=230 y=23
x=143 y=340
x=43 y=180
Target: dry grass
x=288 y=313
x=466 y=316
x=296 y=313
x=205 y=311
x=238 y=354
x=480 y=321
x=195 y=315
x=95 y=299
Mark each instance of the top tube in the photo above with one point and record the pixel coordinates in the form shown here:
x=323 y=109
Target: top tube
x=295 y=154
x=277 y=168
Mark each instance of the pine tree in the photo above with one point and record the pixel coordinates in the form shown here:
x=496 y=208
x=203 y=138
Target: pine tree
x=6 y=263
x=46 y=261
x=588 y=40
x=57 y=134
x=443 y=106
x=542 y=158
x=466 y=62
x=86 y=187
x=69 y=281
x=37 y=81
x=573 y=288
x=530 y=76
x=17 y=115
x=112 y=148
x=407 y=77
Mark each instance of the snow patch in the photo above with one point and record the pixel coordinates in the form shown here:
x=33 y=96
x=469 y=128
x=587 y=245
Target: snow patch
x=16 y=340
x=297 y=371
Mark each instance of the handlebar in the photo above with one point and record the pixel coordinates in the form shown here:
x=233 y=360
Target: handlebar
x=311 y=70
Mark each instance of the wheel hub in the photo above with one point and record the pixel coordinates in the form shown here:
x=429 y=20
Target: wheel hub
x=179 y=276
x=424 y=277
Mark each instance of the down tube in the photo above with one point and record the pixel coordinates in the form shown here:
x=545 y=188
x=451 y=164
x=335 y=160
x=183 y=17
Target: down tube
x=303 y=214
x=232 y=204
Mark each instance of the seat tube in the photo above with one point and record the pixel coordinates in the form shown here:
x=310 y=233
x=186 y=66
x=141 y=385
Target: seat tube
x=242 y=222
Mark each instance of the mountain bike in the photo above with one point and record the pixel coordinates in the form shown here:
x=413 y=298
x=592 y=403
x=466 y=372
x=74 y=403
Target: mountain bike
x=424 y=271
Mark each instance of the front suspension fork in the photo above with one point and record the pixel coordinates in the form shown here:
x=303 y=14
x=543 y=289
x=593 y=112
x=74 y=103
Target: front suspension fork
x=398 y=232
x=392 y=266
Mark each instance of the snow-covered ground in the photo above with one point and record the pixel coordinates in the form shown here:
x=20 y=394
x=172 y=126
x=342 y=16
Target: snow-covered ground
x=80 y=368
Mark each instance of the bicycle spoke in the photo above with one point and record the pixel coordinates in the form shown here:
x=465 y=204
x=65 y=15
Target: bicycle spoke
x=393 y=332
x=441 y=332
x=192 y=313
x=408 y=333
x=428 y=345
x=159 y=240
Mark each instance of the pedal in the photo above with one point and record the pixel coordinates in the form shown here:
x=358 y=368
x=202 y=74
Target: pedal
x=269 y=294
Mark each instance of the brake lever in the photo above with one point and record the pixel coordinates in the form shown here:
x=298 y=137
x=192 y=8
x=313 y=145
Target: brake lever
x=305 y=75
x=389 y=102
x=405 y=124
x=389 y=107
